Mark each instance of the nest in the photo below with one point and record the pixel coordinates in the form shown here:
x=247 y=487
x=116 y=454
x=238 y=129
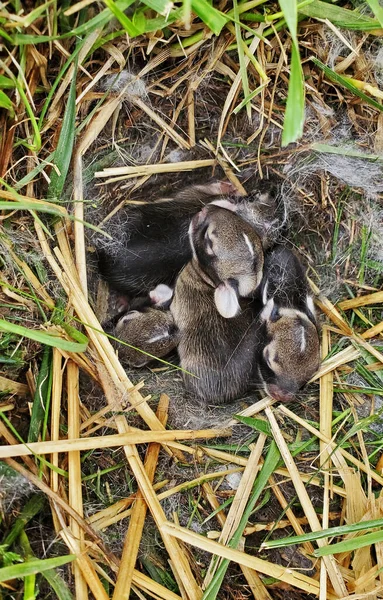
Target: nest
x=101 y=475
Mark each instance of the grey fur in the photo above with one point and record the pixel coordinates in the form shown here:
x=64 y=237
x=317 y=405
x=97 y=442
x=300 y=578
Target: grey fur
x=218 y=351
x=288 y=352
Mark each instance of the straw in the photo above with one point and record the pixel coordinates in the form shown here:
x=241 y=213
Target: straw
x=109 y=441
x=76 y=536
x=312 y=517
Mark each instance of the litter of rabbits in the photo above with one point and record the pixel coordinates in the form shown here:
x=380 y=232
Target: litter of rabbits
x=202 y=517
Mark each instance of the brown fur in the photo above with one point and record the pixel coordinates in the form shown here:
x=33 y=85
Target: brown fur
x=289 y=351
x=218 y=351
x=151 y=330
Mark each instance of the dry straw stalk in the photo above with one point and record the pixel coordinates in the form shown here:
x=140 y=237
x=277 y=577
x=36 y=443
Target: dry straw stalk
x=325 y=406
x=239 y=502
x=331 y=444
x=138 y=515
x=330 y=563
x=109 y=441
x=284 y=574
x=74 y=483
x=145 y=170
x=13 y=387
x=253 y=580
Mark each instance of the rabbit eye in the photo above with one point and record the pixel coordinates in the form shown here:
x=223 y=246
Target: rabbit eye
x=266 y=356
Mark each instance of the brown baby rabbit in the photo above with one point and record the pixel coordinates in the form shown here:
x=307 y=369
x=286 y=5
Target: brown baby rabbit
x=288 y=352
x=211 y=305
x=150 y=330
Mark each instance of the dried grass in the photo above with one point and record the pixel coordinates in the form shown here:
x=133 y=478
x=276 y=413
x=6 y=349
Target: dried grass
x=180 y=107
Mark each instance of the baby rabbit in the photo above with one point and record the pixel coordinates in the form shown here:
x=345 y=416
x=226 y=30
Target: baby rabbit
x=151 y=330
x=211 y=308
x=288 y=352
x=157 y=244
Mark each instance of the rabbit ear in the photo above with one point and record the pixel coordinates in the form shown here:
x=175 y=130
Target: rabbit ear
x=264 y=292
x=161 y=295
x=226 y=300
x=268 y=309
x=225 y=204
x=270 y=312
x=311 y=309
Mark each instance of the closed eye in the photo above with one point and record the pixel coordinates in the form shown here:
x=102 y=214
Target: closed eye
x=159 y=337
x=267 y=370
x=209 y=243
x=266 y=356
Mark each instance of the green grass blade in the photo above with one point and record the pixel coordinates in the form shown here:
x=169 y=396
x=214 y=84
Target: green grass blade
x=290 y=13
x=257 y=424
x=63 y=153
x=324 y=533
x=6 y=83
x=51 y=210
x=344 y=151
x=249 y=98
x=369 y=358
x=36 y=140
x=32 y=174
x=271 y=461
x=41 y=397
x=6 y=103
x=222 y=506
x=377 y=9
x=5 y=35
x=158 y=23
x=345 y=82
x=34 y=566
x=350 y=545
x=162 y=7
x=37 y=456
x=241 y=57
x=29 y=592
x=44 y=338
x=30 y=587
x=58 y=80
x=212 y=17
x=295 y=105
x=339 y=16
x=34 y=14
x=58 y=585
x=32 y=508
x=99 y=21
x=126 y=23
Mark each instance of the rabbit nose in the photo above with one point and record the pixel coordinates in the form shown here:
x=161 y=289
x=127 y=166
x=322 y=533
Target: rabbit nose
x=281 y=395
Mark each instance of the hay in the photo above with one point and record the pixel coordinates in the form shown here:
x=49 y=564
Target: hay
x=137 y=502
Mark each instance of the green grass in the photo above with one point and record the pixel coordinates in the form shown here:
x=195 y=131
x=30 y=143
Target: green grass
x=32 y=567
x=324 y=533
x=48 y=339
x=47 y=133
x=153 y=15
